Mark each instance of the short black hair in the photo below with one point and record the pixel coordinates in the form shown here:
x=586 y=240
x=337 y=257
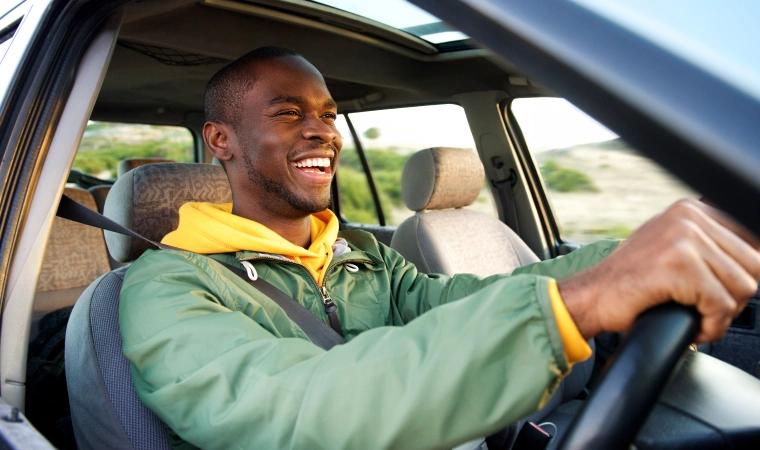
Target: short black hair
x=222 y=101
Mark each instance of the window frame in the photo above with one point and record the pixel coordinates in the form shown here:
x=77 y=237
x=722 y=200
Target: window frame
x=549 y=225
x=367 y=172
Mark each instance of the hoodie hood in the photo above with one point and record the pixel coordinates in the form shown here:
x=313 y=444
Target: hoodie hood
x=209 y=228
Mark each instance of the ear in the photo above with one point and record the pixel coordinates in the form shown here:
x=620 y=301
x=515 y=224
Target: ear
x=217 y=138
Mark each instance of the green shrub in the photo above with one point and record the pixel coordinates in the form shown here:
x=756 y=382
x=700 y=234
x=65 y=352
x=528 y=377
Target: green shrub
x=355 y=198
x=106 y=144
x=616 y=231
x=563 y=179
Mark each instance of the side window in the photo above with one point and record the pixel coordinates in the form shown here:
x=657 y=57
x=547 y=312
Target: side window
x=105 y=144
x=388 y=138
x=356 y=202
x=598 y=186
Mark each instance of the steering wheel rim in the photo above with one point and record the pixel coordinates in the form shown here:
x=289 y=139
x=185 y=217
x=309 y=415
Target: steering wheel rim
x=634 y=379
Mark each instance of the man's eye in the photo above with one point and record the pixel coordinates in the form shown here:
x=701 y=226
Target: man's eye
x=332 y=116
x=289 y=113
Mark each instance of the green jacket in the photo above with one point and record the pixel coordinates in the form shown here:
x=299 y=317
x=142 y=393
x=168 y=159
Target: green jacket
x=224 y=367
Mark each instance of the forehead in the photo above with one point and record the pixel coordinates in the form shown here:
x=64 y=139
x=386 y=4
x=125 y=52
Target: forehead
x=287 y=77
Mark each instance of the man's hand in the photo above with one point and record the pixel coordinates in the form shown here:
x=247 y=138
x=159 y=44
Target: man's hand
x=692 y=253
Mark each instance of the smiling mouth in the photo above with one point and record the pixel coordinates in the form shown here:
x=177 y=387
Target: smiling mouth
x=313 y=165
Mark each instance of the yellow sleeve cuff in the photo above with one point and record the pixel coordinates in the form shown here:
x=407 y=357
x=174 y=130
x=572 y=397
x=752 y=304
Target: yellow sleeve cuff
x=576 y=348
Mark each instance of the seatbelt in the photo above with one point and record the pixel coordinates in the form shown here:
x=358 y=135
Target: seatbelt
x=320 y=333
x=507 y=199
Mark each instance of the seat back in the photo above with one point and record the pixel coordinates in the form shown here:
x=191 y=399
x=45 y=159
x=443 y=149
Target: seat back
x=442 y=237
x=74 y=257
x=105 y=410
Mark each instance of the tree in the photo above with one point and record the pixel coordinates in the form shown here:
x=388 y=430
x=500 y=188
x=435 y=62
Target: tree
x=372 y=133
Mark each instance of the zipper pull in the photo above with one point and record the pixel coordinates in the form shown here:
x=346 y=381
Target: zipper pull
x=327 y=300
x=330 y=308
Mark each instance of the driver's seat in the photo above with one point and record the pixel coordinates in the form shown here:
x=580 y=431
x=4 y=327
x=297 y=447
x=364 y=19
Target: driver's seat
x=105 y=410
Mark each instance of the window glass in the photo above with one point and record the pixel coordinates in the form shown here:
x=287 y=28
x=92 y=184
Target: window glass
x=401 y=15
x=390 y=136
x=597 y=184
x=718 y=39
x=356 y=203
x=105 y=144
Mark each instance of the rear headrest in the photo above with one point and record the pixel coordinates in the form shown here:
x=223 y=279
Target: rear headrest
x=75 y=254
x=132 y=163
x=147 y=200
x=440 y=178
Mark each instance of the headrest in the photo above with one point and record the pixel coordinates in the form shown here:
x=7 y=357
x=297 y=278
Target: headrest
x=147 y=200
x=441 y=177
x=132 y=163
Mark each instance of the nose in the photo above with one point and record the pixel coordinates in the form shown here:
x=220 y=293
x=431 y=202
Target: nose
x=316 y=128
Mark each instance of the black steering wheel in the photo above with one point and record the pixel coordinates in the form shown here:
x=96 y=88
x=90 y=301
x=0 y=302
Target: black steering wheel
x=631 y=384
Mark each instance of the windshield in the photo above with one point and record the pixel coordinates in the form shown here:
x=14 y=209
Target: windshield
x=719 y=37
x=402 y=15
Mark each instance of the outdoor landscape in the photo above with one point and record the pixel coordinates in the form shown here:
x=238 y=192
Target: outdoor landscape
x=601 y=189
x=605 y=189
x=105 y=144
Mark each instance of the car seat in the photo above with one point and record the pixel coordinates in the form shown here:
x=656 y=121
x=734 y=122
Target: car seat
x=444 y=237
x=105 y=410
x=75 y=256
x=125 y=165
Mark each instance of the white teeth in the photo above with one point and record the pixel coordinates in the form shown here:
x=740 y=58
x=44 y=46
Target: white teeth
x=314 y=162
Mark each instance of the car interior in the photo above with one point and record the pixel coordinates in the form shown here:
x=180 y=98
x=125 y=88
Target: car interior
x=148 y=64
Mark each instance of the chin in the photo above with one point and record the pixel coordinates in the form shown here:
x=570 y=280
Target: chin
x=310 y=205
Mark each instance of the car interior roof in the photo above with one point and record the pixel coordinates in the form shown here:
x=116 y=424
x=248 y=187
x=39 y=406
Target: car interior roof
x=167 y=51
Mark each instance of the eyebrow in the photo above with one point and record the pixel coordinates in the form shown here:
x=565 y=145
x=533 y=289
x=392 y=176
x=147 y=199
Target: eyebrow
x=298 y=100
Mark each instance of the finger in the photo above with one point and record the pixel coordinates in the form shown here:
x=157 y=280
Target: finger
x=737 y=281
x=733 y=245
x=708 y=294
x=727 y=221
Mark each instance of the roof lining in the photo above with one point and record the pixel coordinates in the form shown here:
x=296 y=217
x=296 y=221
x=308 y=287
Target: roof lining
x=334 y=21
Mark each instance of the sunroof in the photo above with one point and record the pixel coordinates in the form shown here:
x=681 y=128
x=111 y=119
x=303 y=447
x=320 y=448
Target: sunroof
x=402 y=15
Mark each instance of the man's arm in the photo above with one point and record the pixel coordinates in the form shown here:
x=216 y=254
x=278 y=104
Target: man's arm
x=220 y=379
x=415 y=293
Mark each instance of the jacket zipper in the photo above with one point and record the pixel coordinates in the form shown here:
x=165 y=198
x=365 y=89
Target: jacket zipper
x=327 y=301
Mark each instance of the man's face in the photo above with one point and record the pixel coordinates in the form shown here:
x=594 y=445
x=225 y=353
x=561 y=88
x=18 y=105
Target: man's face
x=287 y=139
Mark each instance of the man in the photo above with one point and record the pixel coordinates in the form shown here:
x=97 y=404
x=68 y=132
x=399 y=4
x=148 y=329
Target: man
x=224 y=367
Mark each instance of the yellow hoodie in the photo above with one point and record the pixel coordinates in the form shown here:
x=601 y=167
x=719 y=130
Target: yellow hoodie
x=208 y=228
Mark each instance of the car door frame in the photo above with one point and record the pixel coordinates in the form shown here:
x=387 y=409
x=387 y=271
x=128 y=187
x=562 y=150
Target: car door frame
x=47 y=67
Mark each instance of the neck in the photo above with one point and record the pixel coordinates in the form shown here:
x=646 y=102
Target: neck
x=296 y=230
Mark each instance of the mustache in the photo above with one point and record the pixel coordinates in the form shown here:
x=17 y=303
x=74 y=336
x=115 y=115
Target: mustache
x=317 y=146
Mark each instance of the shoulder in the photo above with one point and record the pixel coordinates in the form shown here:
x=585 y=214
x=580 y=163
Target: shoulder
x=155 y=264
x=361 y=240
x=366 y=242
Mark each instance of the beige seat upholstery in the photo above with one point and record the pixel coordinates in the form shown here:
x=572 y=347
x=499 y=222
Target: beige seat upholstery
x=132 y=163
x=74 y=257
x=147 y=200
x=442 y=236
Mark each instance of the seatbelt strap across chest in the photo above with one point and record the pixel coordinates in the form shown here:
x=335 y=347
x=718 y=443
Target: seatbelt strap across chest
x=320 y=333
